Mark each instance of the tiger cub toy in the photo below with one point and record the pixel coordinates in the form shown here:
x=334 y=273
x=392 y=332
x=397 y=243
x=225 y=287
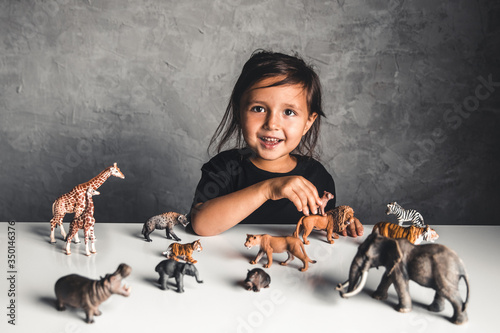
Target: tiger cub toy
x=178 y=251
x=413 y=234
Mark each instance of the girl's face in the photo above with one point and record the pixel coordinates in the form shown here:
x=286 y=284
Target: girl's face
x=273 y=121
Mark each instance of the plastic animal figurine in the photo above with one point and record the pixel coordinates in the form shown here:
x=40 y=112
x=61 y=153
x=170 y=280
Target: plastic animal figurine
x=430 y=265
x=327 y=196
x=257 y=279
x=278 y=244
x=80 y=292
x=183 y=251
x=164 y=221
x=335 y=221
x=405 y=215
x=86 y=222
x=171 y=268
x=74 y=200
x=413 y=234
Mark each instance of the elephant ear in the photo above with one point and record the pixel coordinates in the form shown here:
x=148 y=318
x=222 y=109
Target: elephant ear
x=184 y=267
x=392 y=255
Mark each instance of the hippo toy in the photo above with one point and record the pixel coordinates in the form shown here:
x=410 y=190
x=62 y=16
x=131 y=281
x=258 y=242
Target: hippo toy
x=81 y=292
x=256 y=279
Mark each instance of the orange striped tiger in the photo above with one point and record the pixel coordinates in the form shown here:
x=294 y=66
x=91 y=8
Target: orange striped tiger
x=414 y=234
x=183 y=251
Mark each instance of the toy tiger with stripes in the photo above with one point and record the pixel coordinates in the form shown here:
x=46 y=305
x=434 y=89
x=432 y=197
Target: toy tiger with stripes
x=405 y=215
x=178 y=251
x=412 y=233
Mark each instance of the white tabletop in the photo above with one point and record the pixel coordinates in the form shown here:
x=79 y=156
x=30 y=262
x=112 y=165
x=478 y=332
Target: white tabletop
x=295 y=302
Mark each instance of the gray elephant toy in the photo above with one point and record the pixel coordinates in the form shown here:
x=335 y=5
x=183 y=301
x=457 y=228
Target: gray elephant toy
x=171 y=268
x=430 y=265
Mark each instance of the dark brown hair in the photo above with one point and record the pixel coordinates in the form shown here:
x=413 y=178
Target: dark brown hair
x=261 y=65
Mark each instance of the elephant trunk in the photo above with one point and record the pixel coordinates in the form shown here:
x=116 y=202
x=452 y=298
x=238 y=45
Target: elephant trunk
x=197 y=277
x=353 y=288
x=358 y=275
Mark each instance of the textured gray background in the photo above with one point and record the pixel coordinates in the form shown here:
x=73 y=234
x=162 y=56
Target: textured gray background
x=84 y=84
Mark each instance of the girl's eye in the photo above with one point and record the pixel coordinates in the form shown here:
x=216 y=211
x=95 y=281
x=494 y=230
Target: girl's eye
x=289 y=112
x=257 y=109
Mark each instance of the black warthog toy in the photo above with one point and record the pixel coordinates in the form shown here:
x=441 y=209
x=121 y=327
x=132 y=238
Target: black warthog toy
x=257 y=279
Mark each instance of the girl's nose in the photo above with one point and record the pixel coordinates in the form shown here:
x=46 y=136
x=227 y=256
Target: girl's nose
x=272 y=121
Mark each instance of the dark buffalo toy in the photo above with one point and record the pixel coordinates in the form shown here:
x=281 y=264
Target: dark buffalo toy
x=257 y=279
x=80 y=292
x=171 y=268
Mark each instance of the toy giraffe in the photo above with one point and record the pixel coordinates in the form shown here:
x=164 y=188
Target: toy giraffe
x=74 y=201
x=86 y=222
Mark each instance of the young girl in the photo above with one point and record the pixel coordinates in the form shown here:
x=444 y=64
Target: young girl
x=275 y=110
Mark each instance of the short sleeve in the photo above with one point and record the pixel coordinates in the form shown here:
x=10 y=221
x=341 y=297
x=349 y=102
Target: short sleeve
x=217 y=177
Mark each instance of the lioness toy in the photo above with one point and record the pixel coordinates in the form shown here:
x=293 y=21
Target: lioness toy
x=327 y=196
x=335 y=221
x=278 y=244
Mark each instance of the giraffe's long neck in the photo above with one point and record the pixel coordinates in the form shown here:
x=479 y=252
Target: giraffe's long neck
x=98 y=180
x=90 y=206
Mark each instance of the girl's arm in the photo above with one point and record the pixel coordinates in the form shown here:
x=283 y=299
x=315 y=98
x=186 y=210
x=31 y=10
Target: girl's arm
x=219 y=214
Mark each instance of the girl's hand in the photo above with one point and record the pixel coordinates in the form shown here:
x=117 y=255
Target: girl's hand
x=297 y=189
x=354 y=229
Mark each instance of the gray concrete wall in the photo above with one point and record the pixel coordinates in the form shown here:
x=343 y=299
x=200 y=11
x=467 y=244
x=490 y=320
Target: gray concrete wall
x=411 y=93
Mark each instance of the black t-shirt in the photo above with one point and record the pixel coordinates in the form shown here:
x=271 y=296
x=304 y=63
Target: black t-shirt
x=232 y=170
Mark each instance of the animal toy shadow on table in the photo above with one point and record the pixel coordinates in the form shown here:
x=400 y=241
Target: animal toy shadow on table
x=335 y=221
x=80 y=292
x=257 y=279
x=278 y=244
x=74 y=200
x=164 y=221
x=405 y=215
x=171 y=268
x=178 y=251
x=413 y=234
x=430 y=265
x=85 y=221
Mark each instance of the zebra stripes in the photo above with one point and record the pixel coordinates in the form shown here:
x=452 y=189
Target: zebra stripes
x=404 y=215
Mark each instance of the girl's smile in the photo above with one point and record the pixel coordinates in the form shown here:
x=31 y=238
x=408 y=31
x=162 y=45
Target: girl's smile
x=273 y=121
x=270 y=142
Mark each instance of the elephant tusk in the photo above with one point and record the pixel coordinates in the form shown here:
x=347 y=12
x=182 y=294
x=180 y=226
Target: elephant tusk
x=342 y=286
x=356 y=289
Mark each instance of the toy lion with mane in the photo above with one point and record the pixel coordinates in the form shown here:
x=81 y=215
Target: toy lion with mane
x=335 y=221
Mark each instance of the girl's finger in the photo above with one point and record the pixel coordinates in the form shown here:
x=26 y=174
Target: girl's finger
x=301 y=193
x=311 y=199
x=352 y=230
x=359 y=228
x=294 y=198
x=312 y=190
x=308 y=197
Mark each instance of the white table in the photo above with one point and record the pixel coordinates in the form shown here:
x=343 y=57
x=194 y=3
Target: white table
x=295 y=301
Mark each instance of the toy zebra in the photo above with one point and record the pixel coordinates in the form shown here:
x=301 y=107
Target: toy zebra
x=404 y=215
